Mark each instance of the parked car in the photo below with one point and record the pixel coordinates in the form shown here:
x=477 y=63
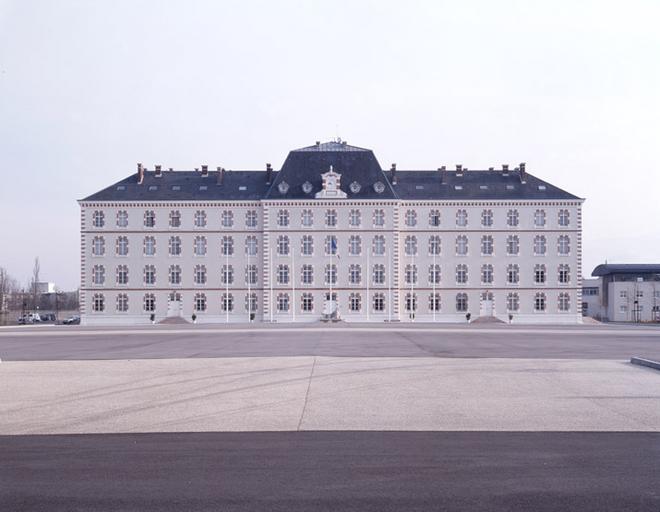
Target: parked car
x=47 y=317
x=29 y=318
x=72 y=320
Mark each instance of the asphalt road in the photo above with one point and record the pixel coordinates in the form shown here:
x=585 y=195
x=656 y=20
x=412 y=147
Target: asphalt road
x=605 y=342
x=331 y=471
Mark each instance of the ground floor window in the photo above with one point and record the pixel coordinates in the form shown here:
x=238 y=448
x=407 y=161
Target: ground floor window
x=227 y=302
x=564 y=302
x=434 y=302
x=461 y=302
x=149 y=302
x=122 y=302
x=513 y=302
x=200 y=302
x=411 y=302
x=307 y=303
x=539 y=302
x=379 y=302
x=251 y=303
x=98 y=302
x=283 y=302
x=355 y=302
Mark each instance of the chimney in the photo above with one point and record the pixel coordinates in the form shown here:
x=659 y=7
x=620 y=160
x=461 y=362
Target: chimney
x=159 y=172
x=505 y=167
x=269 y=174
x=393 y=176
x=522 y=171
x=441 y=172
x=459 y=168
x=221 y=175
x=140 y=173
x=205 y=171
x=491 y=168
x=171 y=169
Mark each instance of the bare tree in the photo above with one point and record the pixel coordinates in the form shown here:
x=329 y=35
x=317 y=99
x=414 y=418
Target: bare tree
x=8 y=289
x=35 y=280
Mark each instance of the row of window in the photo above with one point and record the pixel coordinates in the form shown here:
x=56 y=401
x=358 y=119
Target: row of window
x=331 y=246
x=283 y=218
x=355 y=303
x=283 y=274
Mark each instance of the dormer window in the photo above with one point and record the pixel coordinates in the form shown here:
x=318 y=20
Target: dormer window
x=379 y=187
x=283 y=187
x=307 y=187
x=331 y=186
x=355 y=187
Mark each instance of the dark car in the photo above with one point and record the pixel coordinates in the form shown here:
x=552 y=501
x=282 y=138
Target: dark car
x=72 y=320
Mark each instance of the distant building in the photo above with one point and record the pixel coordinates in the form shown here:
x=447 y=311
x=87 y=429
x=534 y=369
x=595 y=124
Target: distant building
x=45 y=287
x=623 y=293
x=331 y=234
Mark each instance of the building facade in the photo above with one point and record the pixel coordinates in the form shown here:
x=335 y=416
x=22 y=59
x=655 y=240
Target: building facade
x=331 y=235
x=623 y=293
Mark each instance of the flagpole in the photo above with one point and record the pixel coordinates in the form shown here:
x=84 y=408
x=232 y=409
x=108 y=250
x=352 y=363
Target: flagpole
x=248 y=283
x=270 y=264
x=389 y=282
x=435 y=277
x=227 y=282
x=368 y=274
x=293 y=278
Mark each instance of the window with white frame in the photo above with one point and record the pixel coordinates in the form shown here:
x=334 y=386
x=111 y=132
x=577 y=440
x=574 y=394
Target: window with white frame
x=434 y=302
x=539 y=274
x=283 y=274
x=539 y=302
x=251 y=303
x=175 y=246
x=200 y=302
x=227 y=302
x=251 y=245
x=461 y=245
x=564 y=274
x=513 y=274
x=199 y=246
x=512 y=302
x=486 y=245
x=512 y=218
x=461 y=274
x=354 y=274
x=410 y=245
x=331 y=218
x=200 y=219
x=283 y=245
x=307 y=245
x=227 y=246
x=434 y=245
x=122 y=274
x=307 y=218
x=487 y=218
x=282 y=302
x=175 y=274
x=122 y=219
x=461 y=302
x=434 y=218
x=379 y=302
x=564 y=301
x=149 y=302
x=355 y=218
x=411 y=218
x=539 y=218
x=623 y=294
x=331 y=244
x=251 y=219
x=410 y=274
x=379 y=218
x=98 y=303
x=122 y=303
x=98 y=246
x=98 y=275
x=307 y=274
x=251 y=275
x=487 y=274
x=307 y=302
x=149 y=219
x=434 y=274
x=199 y=274
x=122 y=246
x=354 y=302
x=354 y=245
x=564 y=245
x=227 y=275
x=540 y=245
x=227 y=219
x=149 y=246
x=331 y=274
x=411 y=302
x=149 y=275
x=175 y=219
x=512 y=245
x=378 y=245
x=461 y=218
x=564 y=218
x=283 y=218
x=98 y=219
x=378 y=275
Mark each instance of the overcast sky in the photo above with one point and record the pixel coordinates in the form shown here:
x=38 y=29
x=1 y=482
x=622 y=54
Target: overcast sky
x=87 y=89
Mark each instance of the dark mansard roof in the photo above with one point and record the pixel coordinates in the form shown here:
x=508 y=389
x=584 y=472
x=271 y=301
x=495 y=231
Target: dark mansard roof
x=606 y=269
x=303 y=167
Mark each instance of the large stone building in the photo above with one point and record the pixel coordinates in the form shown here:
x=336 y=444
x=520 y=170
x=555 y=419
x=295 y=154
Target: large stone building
x=331 y=235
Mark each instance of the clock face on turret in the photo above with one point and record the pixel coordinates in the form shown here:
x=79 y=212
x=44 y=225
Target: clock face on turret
x=331 y=185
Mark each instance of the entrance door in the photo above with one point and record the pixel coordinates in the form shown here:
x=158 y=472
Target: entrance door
x=330 y=305
x=486 y=307
x=174 y=307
